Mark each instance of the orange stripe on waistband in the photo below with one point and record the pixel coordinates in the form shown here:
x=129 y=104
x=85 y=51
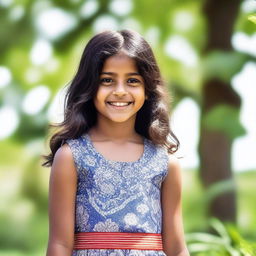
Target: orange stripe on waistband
x=118 y=240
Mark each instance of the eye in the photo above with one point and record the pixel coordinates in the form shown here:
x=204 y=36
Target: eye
x=106 y=80
x=133 y=81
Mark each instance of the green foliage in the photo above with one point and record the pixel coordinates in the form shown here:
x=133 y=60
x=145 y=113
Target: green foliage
x=226 y=242
x=217 y=189
x=244 y=24
x=224 y=118
x=245 y=203
x=252 y=18
x=196 y=201
x=222 y=64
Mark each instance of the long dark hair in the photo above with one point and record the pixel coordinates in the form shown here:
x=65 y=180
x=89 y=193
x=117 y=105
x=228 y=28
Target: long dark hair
x=152 y=120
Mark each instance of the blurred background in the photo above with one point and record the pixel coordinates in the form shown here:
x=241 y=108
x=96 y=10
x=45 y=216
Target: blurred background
x=206 y=50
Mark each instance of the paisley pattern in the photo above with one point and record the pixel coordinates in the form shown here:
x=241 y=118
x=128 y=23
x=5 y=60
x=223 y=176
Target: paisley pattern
x=117 y=196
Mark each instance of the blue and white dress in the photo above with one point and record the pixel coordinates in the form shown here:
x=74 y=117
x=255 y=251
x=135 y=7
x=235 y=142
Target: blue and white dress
x=117 y=196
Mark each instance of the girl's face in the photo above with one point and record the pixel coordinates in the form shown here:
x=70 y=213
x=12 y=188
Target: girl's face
x=121 y=92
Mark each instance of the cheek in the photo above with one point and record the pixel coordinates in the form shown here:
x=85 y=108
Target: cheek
x=99 y=105
x=100 y=99
x=100 y=96
x=97 y=102
x=140 y=94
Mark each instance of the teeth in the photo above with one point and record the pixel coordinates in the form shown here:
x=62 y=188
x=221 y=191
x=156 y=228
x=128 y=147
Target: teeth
x=119 y=104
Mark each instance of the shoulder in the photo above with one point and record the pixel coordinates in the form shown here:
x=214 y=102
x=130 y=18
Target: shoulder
x=173 y=163
x=63 y=154
x=63 y=162
x=174 y=170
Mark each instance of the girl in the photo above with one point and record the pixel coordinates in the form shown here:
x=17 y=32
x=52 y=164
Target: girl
x=114 y=190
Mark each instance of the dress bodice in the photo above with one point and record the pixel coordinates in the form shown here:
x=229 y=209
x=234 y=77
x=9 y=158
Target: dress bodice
x=117 y=196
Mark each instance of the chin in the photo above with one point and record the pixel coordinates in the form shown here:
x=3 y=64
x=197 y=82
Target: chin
x=120 y=119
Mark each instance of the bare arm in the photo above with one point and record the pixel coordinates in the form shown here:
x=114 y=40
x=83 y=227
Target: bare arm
x=62 y=192
x=172 y=232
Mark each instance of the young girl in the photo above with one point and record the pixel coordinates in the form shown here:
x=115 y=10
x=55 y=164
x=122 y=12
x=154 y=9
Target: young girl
x=115 y=187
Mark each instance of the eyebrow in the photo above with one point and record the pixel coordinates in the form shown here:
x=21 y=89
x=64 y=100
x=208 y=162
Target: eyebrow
x=114 y=74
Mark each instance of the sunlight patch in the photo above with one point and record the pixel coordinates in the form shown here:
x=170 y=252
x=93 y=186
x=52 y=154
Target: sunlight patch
x=5 y=75
x=54 y=23
x=35 y=100
x=183 y=20
x=40 y=52
x=89 y=8
x=105 y=22
x=121 y=7
x=178 y=48
x=9 y=121
x=244 y=43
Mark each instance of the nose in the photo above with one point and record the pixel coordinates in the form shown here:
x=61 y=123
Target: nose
x=120 y=90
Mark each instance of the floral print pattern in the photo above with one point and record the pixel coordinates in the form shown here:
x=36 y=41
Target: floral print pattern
x=107 y=226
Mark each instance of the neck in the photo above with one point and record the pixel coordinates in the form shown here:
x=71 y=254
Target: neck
x=114 y=131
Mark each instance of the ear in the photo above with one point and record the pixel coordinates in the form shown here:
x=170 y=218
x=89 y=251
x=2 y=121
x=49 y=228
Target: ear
x=146 y=97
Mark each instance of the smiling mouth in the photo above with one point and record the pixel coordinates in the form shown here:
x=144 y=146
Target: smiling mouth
x=119 y=104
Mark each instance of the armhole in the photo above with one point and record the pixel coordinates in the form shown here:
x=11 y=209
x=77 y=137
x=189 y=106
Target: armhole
x=166 y=164
x=74 y=147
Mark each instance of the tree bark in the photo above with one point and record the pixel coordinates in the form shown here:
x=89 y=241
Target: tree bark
x=215 y=146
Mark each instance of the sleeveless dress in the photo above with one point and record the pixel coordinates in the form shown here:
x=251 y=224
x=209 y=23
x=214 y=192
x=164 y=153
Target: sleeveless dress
x=115 y=196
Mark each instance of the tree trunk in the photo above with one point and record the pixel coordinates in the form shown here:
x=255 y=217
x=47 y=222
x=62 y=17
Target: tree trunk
x=215 y=146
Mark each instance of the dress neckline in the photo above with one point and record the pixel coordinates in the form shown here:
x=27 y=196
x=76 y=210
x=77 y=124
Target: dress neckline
x=92 y=147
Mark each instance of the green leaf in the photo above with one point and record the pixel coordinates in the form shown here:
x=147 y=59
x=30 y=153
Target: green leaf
x=222 y=64
x=202 y=247
x=219 y=188
x=245 y=247
x=224 y=118
x=205 y=238
x=252 y=18
x=220 y=228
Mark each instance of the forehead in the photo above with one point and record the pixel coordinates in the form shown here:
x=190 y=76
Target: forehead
x=119 y=62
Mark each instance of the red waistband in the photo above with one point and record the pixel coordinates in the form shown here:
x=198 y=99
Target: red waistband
x=118 y=240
